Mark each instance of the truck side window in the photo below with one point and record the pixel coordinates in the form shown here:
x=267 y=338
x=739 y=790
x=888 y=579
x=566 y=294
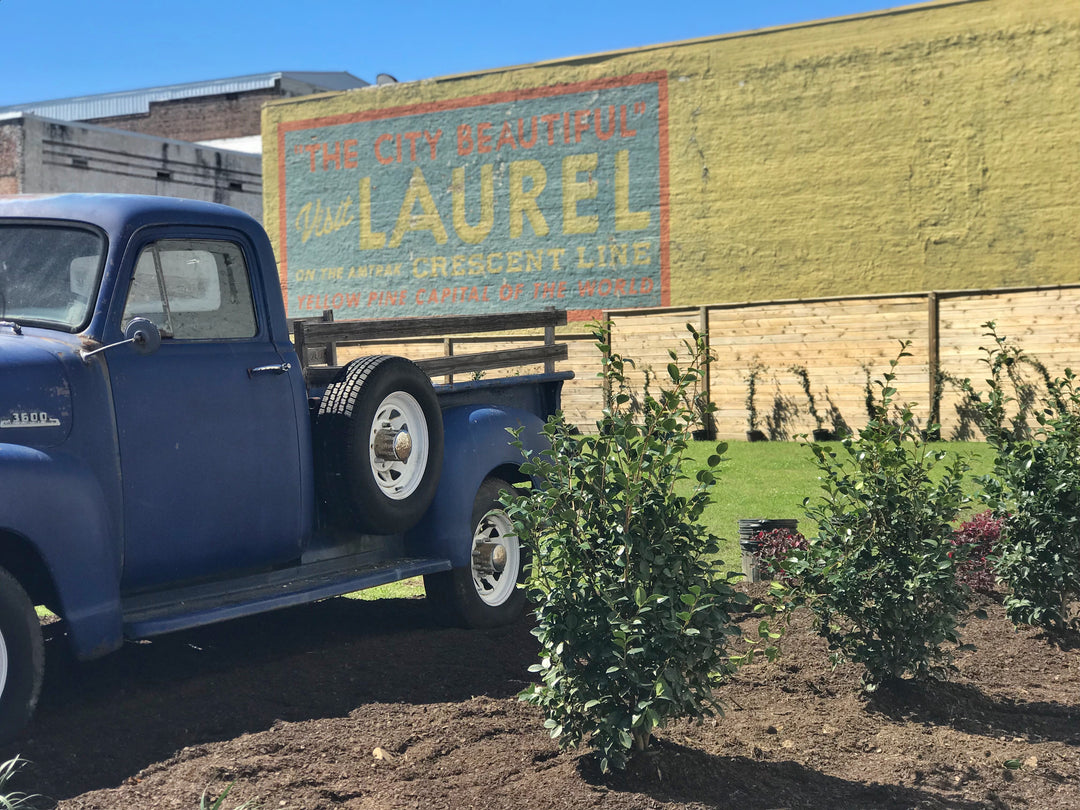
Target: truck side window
x=193 y=289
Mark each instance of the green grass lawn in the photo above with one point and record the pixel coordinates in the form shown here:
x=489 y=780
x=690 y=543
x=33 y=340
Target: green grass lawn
x=405 y=589
x=758 y=480
x=771 y=480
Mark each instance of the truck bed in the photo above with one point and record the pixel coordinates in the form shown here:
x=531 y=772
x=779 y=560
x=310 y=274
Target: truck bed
x=318 y=343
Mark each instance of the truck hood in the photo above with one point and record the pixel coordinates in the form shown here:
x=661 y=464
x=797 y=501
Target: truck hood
x=35 y=394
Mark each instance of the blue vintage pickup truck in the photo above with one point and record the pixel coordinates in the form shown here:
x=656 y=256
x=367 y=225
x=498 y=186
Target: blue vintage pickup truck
x=165 y=462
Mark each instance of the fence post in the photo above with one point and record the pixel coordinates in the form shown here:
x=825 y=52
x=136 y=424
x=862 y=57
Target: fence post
x=706 y=417
x=331 y=348
x=448 y=351
x=933 y=355
x=549 y=340
x=605 y=326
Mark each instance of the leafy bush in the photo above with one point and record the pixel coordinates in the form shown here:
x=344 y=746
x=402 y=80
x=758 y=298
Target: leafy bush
x=1036 y=486
x=632 y=605
x=774 y=548
x=978 y=540
x=880 y=574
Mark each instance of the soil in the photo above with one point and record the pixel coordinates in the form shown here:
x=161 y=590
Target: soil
x=373 y=706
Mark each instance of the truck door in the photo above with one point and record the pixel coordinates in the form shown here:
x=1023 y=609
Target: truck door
x=206 y=426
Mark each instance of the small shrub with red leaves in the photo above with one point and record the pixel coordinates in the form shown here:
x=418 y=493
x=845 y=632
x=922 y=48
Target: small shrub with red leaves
x=978 y=537
x=774 y=547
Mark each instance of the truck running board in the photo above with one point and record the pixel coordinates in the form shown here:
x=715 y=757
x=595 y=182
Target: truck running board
x=158 y=612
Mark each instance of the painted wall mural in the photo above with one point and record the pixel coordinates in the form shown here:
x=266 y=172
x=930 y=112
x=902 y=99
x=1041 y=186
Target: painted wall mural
x=508 y=201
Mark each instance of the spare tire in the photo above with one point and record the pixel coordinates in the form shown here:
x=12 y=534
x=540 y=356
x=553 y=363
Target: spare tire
x=380 y=444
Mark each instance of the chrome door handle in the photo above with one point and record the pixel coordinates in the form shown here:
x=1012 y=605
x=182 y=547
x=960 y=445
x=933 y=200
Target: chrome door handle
x=284 y=367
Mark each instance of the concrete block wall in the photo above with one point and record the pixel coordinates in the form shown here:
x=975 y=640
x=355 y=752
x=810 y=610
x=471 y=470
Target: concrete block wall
x=39 y=155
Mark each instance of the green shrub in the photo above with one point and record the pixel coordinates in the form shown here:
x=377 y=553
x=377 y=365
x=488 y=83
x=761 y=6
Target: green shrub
x=632 y=605
x=1035 y=488
x=879 y=575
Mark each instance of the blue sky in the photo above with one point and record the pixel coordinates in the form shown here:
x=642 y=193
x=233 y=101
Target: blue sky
x=59 y=48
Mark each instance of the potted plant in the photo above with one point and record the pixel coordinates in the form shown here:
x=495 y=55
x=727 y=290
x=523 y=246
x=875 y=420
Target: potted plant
x=697 y=403
x=704 y=409
x=761 y=541
x=820 y=433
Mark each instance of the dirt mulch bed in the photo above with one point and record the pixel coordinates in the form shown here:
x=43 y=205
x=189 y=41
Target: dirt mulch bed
x=371 y=705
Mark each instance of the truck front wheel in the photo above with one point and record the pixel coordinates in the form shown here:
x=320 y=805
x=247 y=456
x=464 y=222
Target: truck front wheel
x=22 y=657
x=488 y=592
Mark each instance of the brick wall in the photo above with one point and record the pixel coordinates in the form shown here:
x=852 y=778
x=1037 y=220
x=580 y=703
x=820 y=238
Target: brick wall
x=932 y=147
x=229 y=115
x=10 y=157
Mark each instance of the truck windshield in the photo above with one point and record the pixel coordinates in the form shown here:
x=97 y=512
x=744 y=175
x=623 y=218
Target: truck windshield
x=48 y=273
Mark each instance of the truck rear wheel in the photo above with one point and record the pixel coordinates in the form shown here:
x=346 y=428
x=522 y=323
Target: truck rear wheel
x=22 y=657
x=381 y=443
x=488 y=592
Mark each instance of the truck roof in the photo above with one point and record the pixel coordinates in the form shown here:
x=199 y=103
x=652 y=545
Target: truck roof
x=113 y=211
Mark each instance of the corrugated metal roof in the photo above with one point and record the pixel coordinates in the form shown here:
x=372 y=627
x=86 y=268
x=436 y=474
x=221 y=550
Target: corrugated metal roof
x=137 y=102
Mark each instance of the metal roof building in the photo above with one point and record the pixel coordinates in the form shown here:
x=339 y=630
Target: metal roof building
x=199 y=140
x=137 y=102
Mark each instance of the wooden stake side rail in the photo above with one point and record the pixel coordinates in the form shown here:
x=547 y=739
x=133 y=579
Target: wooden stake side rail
x=462 y=363
x=317 y=341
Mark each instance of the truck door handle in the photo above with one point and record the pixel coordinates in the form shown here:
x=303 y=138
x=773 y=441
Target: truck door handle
x=281 y=369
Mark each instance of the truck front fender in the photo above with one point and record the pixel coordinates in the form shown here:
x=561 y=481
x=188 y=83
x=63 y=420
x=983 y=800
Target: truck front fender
x=58 y=507
x=477 y=443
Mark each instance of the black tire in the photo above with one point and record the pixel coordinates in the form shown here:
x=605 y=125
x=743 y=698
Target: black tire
x=22 y=657
x=368 y=493
x=476 y=596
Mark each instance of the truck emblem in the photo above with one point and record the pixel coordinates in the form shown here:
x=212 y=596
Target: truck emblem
x=29 y=419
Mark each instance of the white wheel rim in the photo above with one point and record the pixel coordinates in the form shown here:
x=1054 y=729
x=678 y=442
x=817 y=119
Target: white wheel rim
x=3 y=663
x=495 y=588
x=400 y=412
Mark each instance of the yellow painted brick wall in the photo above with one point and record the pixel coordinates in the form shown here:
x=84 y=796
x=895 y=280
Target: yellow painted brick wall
x=934 y=147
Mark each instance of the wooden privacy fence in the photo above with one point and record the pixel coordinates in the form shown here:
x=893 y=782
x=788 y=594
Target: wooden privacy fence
x=827 y=352
x=829 y=349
